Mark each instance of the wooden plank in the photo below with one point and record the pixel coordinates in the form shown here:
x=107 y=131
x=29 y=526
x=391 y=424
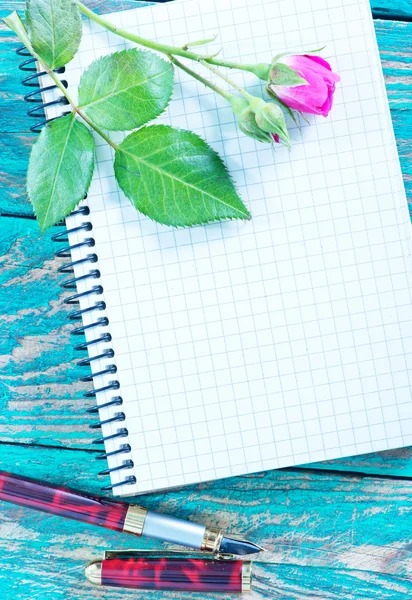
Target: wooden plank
x=391 y=463
x=99 y=6
x=400 y=10
x=82 y=468
x=39 y=378
x=15 y=150
x=41 y=400
x=327 y=535
x=352 y=544
x=382 y=9
x=395 y=43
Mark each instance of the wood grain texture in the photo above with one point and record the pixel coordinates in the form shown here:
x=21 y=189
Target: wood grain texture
x=39 y=377
x=400 y=10
x=395 y=44
x=391 y=463
x=334 y=530
x=381 y=8
x=40 y=397
x=327 y=535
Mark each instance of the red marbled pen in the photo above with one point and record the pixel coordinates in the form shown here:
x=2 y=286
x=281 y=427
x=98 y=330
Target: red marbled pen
x=119 y=516
x=169 y=571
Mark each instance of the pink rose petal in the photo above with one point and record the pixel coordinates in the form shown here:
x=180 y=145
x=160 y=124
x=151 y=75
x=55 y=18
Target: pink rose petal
x=319 y=60
x=316 y=96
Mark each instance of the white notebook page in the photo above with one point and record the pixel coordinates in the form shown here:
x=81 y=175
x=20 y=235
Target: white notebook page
x=250 y=346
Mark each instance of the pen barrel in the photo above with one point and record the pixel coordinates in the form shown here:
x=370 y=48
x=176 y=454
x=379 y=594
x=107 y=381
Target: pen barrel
x=180 y=574
x=62 y=501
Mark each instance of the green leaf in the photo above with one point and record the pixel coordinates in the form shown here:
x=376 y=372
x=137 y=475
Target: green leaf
x=125 y=90
x=281 y=74
x=55 y=30
x=175 y=178
x=60 y=169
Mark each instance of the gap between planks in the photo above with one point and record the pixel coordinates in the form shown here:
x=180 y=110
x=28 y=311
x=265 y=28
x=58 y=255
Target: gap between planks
x=315 y=469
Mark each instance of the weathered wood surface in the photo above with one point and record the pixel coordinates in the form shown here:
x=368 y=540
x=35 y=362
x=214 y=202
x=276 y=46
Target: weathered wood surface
x=395 y=44
x=387 y=9
x=327 y=535
x=40 y=398
x=335 y=530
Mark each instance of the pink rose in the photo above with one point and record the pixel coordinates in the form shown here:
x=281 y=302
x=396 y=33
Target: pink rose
x=303 y=82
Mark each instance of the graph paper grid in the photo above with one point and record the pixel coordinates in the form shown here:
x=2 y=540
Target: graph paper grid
x=245 y=346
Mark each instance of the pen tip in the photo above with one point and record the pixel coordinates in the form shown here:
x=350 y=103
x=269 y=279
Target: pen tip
x=238 y=547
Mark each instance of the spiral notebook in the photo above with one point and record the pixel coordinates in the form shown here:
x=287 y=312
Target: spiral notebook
x=245 y=346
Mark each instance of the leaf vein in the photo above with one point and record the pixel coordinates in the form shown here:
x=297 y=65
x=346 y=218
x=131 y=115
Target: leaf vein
x=121 y=91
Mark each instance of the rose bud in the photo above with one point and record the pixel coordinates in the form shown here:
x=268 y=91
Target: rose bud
x=246 y=120
x=247 y=124
x=258 y=122
x=303 y=82
x=270 y=118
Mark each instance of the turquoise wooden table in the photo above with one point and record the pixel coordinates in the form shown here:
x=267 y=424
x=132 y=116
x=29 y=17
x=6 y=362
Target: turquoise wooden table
x=340 y=529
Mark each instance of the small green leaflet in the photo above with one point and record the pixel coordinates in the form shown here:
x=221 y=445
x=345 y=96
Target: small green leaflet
x=14 y=22
x=125 y=90
x=60 y=169
x=281 y=74
x=55 y=30
x=175 y=178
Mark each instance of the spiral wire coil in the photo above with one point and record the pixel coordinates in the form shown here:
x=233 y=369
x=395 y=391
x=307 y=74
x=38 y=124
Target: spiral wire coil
x=37 y=112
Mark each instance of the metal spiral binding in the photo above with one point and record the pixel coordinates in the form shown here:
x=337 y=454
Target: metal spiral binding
x=31 y=80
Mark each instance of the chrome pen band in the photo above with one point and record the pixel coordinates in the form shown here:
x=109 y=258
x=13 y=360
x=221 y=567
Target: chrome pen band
x=94 y=572
x=247 y=576
x=212 y=538
x=135 y=520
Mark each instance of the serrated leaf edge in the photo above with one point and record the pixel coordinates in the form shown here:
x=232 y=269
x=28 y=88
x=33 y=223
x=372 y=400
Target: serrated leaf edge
x=53 y=46
x=41 y=221
x=84 y=107
x=243 y=217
